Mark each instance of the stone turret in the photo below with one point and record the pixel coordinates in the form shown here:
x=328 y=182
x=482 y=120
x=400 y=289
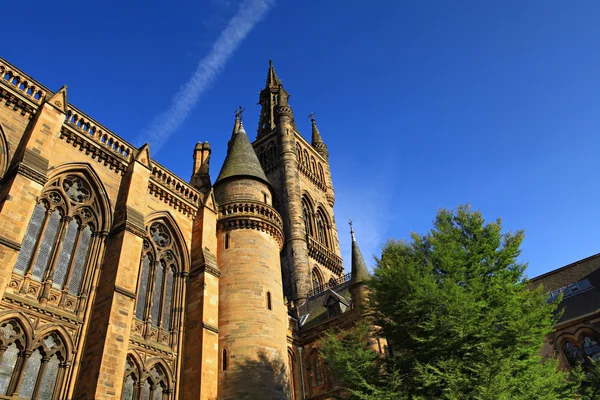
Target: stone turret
x=360 y=274
x=252 y=312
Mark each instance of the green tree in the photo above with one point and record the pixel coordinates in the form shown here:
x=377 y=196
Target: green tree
x=461 y=318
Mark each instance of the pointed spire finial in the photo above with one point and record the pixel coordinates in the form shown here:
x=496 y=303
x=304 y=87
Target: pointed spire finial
x=317 y=140
x=272 y=80
x=351 y=230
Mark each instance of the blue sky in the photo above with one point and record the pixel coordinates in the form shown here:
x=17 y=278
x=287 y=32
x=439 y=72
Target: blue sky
x=422 y=104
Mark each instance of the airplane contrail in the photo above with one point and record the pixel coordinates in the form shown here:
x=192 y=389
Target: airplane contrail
x=248 y=15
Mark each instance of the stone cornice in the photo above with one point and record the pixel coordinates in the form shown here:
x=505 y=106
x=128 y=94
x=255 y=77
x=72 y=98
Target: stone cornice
x=251 y=215
x=28 y=172
x=14 y=101
x=93 y=149
x=324 y=256
x=172 y=199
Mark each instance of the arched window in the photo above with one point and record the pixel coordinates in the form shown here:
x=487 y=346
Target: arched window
x=572 y=353
x=156 y=384
x=55 y=251
x=591 y=349
x=160 y=265
x=306 y=159
x=321 y=174
x=313 y=165
x=323 y=230
x=298 y=153
x=34 y=372
x=317 y=281
x=315 y=370
x=272 y=151
x=333 y=307
x=225 y=360
x=131 y=381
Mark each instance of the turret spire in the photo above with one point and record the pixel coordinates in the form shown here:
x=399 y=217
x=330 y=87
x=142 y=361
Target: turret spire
x=274 y=103
x=317 y=142
x=241 y=160
x=272 y=80
x=360 y=273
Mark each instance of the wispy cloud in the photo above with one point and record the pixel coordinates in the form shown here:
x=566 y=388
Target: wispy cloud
x=248 y=15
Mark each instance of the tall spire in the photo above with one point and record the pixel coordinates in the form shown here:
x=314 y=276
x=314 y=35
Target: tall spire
x=360 y=273
x=272 y=80
x=236 y=125
x=241 y=160
x=317 y=142
x=273 y=100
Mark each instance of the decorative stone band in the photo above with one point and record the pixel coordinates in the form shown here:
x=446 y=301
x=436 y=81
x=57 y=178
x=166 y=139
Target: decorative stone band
x=125 y=292
x=93 y=149
x=210 y=327
x=11 y=100
x=168 y=197
x=325 y=256
x=10 y=244
x=251 y=215
x=314 y=178
x=28 y=172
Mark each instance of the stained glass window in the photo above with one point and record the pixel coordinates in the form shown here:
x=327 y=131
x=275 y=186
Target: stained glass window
x=572 y=352
x=145 y=391
x=62 y=265
x=80 y=261
x=128 y=388
x=168 y=303
x=158 y=393
x=157 y=293
x=591 y=348
x=142 y=293
x=41 y=263
x=76 y=188
x=7 y=366
x=31 y=237
x=30 y=375
x=49 y=379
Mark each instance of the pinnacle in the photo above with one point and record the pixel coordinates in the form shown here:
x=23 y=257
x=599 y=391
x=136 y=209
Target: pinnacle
x=317 y=140
x=272 y=80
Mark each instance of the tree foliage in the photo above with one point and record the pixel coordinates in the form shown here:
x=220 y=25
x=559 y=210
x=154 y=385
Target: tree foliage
x=460 y=316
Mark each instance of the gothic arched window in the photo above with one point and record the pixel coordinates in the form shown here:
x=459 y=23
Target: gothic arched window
x=591 y=349
x=323 y=233
x=160 y=268
x=317 y=281
x=33 y=373
x=56 y=248
x=321 y=174
x=572 y=353
x=131 y=381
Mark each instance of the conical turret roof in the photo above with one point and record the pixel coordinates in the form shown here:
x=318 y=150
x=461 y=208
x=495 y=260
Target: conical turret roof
x=360 y=273
x=241 y=159
x=317 y=141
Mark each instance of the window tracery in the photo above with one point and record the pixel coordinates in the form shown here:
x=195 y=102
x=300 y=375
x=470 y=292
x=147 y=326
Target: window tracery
x=58 y=242
x=160 y=267
x=151 y=385
x=317 y=281
x=591 y=348
x=30 y=372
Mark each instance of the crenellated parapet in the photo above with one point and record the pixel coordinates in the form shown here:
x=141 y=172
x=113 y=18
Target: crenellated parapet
x=252 y=215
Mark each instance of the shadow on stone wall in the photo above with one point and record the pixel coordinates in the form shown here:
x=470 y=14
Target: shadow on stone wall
x=265 y=378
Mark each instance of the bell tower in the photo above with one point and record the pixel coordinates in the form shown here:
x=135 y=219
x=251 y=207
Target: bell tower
x=303 y=194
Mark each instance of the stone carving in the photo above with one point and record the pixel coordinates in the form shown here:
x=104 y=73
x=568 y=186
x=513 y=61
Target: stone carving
x=76 y=189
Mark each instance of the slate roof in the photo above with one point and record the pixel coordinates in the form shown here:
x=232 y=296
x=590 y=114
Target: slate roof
x=316 y=308
x=241 y=159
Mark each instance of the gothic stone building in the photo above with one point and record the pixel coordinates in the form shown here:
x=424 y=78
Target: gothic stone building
x=119 y=279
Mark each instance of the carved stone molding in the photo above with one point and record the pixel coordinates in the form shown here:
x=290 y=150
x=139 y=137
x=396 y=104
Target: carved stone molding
x=172 y=200
x=103 y=155
x=210 y=327
x=125 y=292
x=12 y=101
x=251 y=215
x=10 y=244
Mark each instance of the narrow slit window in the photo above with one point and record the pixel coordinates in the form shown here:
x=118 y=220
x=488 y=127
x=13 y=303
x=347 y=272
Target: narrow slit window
x=225 y=360
x=226 y=240
x=269 y=304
